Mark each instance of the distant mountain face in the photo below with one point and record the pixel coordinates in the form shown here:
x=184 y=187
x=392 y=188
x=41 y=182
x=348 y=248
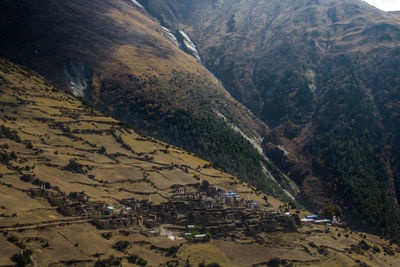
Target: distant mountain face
x=324 y=75
x=114 y=55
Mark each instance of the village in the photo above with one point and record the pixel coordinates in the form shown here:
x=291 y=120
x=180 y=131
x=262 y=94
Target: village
x=200 y=206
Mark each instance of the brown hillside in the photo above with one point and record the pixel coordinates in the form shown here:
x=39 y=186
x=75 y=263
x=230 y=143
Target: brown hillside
x=119 y=51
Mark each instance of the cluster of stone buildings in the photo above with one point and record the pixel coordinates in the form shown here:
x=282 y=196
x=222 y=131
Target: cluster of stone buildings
x=75 y=204
x=217 y=211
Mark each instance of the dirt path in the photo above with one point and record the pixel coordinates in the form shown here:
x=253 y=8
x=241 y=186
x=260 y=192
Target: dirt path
x=45 y=224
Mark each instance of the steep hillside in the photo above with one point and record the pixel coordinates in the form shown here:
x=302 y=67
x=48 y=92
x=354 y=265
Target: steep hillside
x=324 y=75
x=65 y=167
x=50 y=139
x=115 y=56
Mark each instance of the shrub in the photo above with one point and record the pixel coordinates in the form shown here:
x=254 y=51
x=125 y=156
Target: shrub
x=274 y=262
x=388 y=250
x=141 y=262
x=292 y=204
x=22 y=259
x=322 y=250
x=288 y=224
x=107 y=235
x=21 y=245
x=26 y=178
x=29 y=145
x=121 y=245
x=6 y=157
x=208 y=237
x=133 y=258
x=331 y=210
x=173 y=263
x=363 y=245
x=377 y=249
x=111 y=261
x=296 y=219
x=102 y=150
x=172 y=251
x=204 y=185
x=312 y=244
x=12 y=239
x=76 y=167
x=6 y=132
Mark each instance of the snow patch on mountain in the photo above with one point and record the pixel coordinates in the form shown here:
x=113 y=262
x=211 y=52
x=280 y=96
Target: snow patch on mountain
x=137 y=4
x=283 y=149
x=310 y=76
x=170 y=36
x=77 y=76
x=181 y=39
x=189 y=45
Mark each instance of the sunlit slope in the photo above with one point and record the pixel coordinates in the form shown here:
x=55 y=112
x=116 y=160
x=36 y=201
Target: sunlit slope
x=50 y=128
x=120 y=56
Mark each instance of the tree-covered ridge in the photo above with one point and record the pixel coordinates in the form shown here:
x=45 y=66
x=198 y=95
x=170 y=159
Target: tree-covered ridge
x=349 y=153
x=227 y=149
x=386 y=89
x=168 y=117
x=286 y=98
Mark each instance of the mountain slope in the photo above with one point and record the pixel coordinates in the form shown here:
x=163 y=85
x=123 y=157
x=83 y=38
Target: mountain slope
x=115 y=56
x=48 y=138
x=53 y=147
x=324 y=75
